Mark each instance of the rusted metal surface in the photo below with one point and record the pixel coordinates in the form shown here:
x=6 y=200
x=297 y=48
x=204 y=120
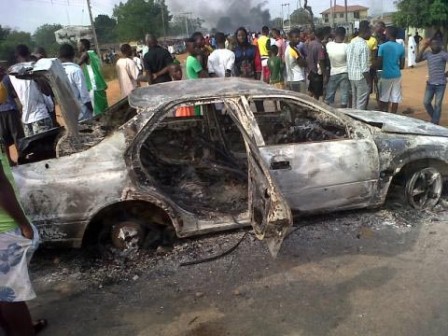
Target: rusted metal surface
x=223 y=170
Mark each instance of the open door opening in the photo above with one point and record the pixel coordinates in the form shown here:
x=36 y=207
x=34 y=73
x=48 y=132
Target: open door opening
x=188 y=158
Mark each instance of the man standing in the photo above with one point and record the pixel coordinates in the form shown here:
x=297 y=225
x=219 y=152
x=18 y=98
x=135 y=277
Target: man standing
x=156 y=62
x=317 y=66
x=295 y=64
x=203 y=49
x=391 y=61
x=193 y=67
x=358 y=67
x=279 y=42
x=91 y=65
x=77 y=81
x=127 y=71
x=417 y=40
x=35 y=116
x=264 y=43
x=436 y=84
x=337 y=53
x=221 y=60
x=18 y=241
x=11 y=130
x=412 y=51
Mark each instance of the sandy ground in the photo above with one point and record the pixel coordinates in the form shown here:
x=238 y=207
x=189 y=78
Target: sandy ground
x=376 y=272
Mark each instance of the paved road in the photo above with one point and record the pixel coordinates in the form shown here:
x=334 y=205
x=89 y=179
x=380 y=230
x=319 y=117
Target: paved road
x=357 y=273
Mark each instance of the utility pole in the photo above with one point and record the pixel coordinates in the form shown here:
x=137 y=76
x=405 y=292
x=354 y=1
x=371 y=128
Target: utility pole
x=289 y=19
x=187 y=18
x=161 y=3
x=346 y=12
x=95 y=39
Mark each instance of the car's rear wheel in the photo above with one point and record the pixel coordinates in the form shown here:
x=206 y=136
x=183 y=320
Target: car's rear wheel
x=127 y=234
x=424 y=188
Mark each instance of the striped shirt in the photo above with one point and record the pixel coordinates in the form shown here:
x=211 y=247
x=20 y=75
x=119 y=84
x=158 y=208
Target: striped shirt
x=357 y=58
x=436 y=67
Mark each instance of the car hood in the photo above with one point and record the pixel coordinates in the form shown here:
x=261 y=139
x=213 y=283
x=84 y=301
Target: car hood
x=394 y=123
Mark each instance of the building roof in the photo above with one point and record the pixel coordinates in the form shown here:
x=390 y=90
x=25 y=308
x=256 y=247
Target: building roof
x=341 y=9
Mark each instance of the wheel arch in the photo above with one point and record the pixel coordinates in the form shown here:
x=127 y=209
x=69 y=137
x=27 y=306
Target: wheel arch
x=133 y=208
x=395 y=171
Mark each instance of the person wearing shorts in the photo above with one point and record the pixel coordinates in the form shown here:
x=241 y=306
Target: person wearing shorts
x=391 y=61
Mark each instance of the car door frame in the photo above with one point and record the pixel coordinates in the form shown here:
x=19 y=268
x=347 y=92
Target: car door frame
x=270 y=214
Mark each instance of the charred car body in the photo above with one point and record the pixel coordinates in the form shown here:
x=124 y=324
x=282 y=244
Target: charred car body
x=250 y=155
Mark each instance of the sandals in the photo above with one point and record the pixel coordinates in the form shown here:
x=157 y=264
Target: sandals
x=39 y=325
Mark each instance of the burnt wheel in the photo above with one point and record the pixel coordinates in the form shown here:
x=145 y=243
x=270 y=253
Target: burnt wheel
x=127 y=234
x=424 y=188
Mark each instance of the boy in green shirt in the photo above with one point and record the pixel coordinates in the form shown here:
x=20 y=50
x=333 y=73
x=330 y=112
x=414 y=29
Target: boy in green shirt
x=193 y=67
x=276 y=67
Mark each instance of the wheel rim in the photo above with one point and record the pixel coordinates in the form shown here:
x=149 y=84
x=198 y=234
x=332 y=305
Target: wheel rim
x=127 y=235
x=424 y=189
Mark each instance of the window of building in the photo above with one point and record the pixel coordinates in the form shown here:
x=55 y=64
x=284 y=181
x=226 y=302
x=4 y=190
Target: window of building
x=341 y=15
x=356 y=15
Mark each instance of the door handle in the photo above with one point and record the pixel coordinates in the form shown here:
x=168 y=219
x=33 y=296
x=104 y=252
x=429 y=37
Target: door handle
x=280 y=165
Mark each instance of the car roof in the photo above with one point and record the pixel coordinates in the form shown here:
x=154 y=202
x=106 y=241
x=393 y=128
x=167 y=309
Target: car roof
x=155 y=96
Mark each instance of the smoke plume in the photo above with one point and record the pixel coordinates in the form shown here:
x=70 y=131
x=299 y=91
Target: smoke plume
x=225 y=15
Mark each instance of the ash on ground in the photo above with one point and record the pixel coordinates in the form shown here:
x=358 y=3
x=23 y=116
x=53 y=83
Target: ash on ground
x=352 y=231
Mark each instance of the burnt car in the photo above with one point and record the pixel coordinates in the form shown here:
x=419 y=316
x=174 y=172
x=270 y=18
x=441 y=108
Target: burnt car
x=251 y=155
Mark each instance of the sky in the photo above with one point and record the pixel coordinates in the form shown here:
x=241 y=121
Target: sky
x=27 y=15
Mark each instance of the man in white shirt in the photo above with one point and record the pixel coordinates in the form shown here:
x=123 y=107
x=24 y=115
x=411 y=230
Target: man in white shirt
x=77 y=81
x=127 y=71
x=221 y=61
x=35 y=116
x=295 y=64
x=337 y=53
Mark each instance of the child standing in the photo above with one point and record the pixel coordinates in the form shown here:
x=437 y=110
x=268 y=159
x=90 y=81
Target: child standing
x=275 y=66
x=175 y=71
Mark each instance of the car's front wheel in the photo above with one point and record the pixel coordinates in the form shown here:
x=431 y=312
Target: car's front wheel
x=423 y=188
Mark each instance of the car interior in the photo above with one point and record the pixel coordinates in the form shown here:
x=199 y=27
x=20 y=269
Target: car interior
x=197 y=161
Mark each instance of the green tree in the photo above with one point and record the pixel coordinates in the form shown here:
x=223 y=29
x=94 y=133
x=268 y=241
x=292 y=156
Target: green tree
x=300 y=17
x=105 y=27
x=423 y=14
x=44 y=37
x=4 y=32
x=135 y=18
x=10 y=39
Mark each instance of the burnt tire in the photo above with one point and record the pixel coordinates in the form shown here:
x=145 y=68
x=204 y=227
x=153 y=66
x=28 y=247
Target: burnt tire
x=423 y=188
x=127 y=234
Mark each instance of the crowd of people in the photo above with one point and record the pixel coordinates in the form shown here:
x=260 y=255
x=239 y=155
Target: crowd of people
x=320 y=63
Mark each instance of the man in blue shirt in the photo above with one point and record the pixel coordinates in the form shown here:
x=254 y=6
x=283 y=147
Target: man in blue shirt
x=391 y=61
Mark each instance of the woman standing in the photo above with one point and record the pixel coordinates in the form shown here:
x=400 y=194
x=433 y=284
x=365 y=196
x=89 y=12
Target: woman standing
x=247 y=56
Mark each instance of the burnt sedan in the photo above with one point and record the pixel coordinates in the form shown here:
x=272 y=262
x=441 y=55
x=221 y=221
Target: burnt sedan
x=249 y=155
